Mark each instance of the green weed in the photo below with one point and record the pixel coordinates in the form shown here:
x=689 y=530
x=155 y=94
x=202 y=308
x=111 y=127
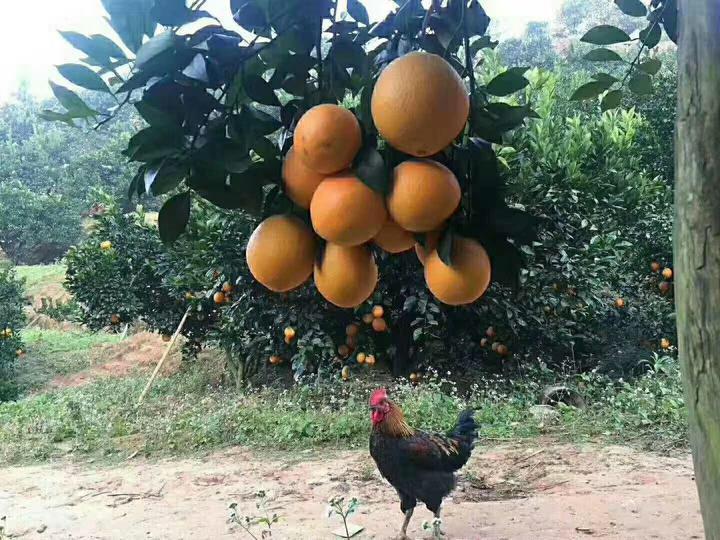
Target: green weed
x=188 y=412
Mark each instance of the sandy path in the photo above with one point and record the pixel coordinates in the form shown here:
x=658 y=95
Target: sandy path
x=510 y=492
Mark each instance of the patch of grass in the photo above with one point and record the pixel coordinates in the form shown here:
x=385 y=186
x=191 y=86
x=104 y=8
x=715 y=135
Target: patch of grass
x=187 y=413
x=37 y=277
x=52 y=352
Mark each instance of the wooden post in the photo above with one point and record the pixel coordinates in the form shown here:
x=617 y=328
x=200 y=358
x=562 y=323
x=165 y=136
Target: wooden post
x=164 y=357
x=697 y=242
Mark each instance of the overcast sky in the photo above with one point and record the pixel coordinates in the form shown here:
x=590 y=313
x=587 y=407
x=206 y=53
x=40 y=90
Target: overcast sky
x=32 y=45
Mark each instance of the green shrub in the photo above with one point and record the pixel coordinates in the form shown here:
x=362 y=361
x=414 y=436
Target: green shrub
x=12 y=320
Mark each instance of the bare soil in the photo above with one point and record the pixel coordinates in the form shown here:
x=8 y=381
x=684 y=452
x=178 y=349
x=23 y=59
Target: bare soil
x=138 y=353
x=538 y=490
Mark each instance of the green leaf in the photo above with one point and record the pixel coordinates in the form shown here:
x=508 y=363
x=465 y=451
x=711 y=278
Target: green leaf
x=611 y=100
x=153 y=47
x=603 y=55
x=131 y=19
x=53 y=116
x=445 y=248
x=265 y=148
x=84 y=77
x=164 y=176
x=369 y=167
x=97 y=47
x=197 y=69
x=259 y=90
x=651 y=35
x=72 y=102
x=640 y=83
x=604 y=77
x=508 y=82
x=590 y=90
x=650 y=66
x=358 y=12
x=605 y=34
x=174 y=217
x=634 y=8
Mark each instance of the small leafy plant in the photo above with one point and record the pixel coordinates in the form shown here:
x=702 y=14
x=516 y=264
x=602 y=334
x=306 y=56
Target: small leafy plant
x=337 y=506
x=264 y=521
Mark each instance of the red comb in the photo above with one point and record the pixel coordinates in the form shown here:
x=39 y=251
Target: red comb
x=377 y=396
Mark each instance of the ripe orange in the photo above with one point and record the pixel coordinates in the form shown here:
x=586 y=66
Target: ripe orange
x=275 y=360
x=345 y=373
x=346 y=211
x=502 y=350
x=393 y=238
x=106 y=245
x=219 y=298
x=667 y=273
x=619 y=303
x=431 y=242
x=490 y=332
x=227 y=287
x=424 y=194
x=379 y=325
x=665 y=343
x=414 y=377
x=495 y=346
x=360 y=358
x=352 y=330
x=300 y=181
x=343 y=351
x=281 y=252
x=466 y=280
x=327 y=138
x=289 y=333
x=484 y=342
x=420 y=104
x=378 y=311
x=655 y=266
x=664 y=287
x=368 y=318
x=370 y=360
x=346 y=276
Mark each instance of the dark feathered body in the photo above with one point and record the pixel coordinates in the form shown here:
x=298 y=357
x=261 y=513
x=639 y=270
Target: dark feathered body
x=421 y=466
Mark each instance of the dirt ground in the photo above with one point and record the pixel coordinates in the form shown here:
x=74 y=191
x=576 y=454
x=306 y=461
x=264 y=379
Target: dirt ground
x=137 y=353
x=522 y=491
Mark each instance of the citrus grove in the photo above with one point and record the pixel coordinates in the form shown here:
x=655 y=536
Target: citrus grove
x=332 y=193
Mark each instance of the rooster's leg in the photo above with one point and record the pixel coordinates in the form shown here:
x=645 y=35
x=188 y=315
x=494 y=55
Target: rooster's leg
x=403 y=530
x=437 y=526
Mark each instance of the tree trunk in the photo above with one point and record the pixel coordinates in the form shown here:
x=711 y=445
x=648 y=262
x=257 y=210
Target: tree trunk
x=697 y=242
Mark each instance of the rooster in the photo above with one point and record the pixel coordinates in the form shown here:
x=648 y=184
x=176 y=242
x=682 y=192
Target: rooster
x=419 y=465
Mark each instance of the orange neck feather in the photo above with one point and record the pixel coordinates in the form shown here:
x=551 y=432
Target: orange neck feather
x=394 y=423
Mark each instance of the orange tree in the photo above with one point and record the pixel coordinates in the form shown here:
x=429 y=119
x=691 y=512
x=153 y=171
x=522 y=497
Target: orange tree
x=222 y=106
x=12 y=320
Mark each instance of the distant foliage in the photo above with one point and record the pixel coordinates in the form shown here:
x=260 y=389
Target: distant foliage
x=12 y=320
x=48 y=174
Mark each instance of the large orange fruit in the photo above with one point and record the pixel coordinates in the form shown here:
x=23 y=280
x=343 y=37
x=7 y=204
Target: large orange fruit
x=300 y=181
x=463 y=282
x=431 y=242
x=346 y=276
x=281 y=252
x=327 y=138
x=347 y=212
x=420 y=104
x=393 y=238
x=424 y=194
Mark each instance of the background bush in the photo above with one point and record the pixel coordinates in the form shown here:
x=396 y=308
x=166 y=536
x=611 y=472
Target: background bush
x=12 y=319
